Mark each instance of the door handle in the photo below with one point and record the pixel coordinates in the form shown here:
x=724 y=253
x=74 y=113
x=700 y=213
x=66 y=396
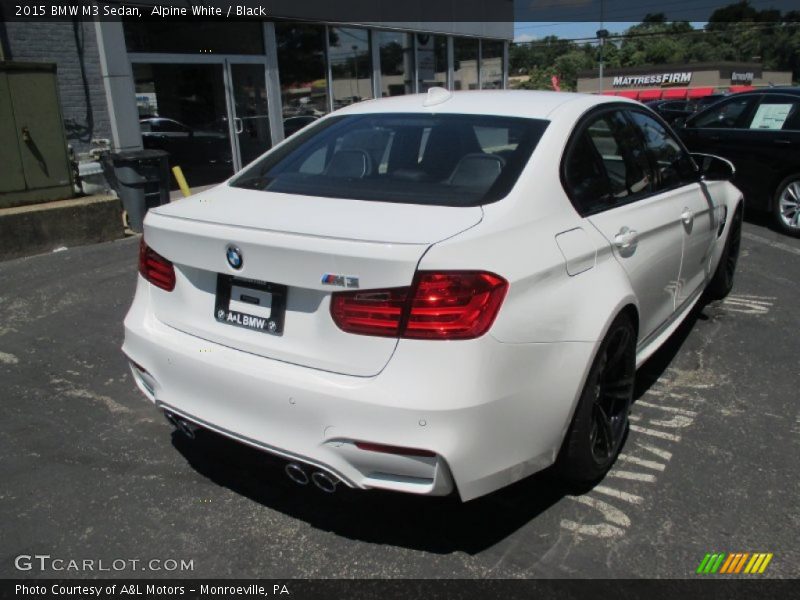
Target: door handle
x=626 y=238
x=239 y=126
x=783 y=141
x=687 y=216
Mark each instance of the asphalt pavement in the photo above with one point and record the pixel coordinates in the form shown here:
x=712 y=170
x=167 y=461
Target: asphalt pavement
x=91 y=471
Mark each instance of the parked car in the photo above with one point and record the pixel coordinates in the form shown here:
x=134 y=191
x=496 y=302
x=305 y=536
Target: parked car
x=759 y=132
x=292 y=125
x=672 y=110
x=187 y=146
x=433 y=293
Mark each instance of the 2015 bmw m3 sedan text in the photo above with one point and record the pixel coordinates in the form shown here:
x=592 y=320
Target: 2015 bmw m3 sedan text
x=433 y=293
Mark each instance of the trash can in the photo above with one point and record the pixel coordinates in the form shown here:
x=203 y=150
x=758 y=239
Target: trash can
x=141 y=178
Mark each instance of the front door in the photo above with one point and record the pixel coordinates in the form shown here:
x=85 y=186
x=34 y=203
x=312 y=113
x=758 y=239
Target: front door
x=209 y=113
x=677 y=179
x=248 y=102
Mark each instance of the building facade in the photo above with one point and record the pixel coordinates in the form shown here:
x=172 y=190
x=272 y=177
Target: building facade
x=690 y=80
x=217 y=94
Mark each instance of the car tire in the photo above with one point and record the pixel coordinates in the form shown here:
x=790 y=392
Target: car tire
x=786 y=205
x=722 y=281
x=600 y=422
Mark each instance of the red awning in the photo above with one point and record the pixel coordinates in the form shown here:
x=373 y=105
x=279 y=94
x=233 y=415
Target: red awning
x=740 y=88
x=646 y=95
x=632 y=94
x=700 y=92
x=674 y=93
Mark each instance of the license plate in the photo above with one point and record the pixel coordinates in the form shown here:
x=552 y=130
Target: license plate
x=256 y=305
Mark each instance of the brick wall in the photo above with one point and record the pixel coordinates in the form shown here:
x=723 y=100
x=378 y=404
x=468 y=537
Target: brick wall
x=83 y=98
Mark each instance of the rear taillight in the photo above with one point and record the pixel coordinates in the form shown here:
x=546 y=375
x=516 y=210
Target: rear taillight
x=448 y=305
x=155 y=268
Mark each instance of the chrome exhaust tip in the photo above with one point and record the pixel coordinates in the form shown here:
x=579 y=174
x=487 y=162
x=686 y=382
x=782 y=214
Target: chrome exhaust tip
x=325 y=482
x=185 y=427
x=296 y=473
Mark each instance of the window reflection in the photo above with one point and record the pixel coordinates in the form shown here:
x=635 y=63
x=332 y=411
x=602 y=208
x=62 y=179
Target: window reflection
x=301 y=67
x=465 y=66
x=432 y=61
x=491 y=65
x=351 y=65
x=397 y=62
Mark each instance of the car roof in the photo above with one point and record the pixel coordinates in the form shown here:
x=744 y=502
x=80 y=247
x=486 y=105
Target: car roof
x=510 y=103
x=792 y=91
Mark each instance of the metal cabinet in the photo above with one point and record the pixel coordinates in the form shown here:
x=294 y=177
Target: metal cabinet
x=34 y=161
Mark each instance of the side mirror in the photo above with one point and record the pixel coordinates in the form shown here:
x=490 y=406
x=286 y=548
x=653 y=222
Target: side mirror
x=714 y=168
x=679 y=123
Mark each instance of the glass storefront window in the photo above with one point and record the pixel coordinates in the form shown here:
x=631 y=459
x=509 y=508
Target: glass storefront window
x=351 y=65
x=201 y=37
x=397 y=62
x=431 y=61
x=491 y=65
x=182 y=110
x=465 y=64
x=302 y=71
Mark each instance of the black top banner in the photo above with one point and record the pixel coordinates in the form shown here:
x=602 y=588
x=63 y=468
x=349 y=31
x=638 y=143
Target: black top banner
x=385 y=11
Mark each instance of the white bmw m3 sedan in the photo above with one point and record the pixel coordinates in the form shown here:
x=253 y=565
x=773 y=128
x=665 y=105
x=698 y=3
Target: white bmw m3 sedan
x=434 y=294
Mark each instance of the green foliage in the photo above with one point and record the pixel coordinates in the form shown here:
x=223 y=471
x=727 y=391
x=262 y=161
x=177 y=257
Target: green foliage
x=738 y=32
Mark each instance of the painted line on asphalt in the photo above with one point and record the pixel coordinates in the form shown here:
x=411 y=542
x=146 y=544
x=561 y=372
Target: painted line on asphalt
x=649 y=464
x=655 y=433
x=627 y=497
x=778 y=245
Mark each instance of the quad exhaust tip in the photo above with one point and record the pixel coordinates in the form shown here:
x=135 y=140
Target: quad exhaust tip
x=185 y=427
x=296 y=473
x=324 y=481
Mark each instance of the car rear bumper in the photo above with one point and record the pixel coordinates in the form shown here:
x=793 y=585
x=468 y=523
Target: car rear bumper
x=492 y=413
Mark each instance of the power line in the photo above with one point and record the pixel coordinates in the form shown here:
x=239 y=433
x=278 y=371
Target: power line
x=731 y=27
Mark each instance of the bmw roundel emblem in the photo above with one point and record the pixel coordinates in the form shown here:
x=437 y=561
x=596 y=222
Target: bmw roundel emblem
x=234 y=256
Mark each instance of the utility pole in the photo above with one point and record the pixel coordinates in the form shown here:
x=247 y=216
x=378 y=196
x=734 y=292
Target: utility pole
x=602 y=34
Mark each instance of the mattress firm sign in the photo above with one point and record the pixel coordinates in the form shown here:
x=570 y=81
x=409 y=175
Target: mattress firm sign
x=652 y=79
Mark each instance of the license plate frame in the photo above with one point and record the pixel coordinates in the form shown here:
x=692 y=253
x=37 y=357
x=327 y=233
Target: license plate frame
x=273 y=325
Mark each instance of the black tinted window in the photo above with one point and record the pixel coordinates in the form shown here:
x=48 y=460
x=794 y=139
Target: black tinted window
x=450 y=160
x=673 y=165
x=606 y=165
x=728 y=114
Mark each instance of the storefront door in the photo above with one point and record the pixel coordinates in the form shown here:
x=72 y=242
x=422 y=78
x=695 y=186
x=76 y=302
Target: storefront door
x=209 y=113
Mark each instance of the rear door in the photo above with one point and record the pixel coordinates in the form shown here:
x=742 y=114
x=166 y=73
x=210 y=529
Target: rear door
x=677 y=182
x=611 y=182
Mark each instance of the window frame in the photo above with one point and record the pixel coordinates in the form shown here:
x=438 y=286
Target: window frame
x=585 y=121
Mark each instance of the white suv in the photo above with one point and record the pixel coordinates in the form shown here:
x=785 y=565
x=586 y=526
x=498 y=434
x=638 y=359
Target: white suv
x=433 y=293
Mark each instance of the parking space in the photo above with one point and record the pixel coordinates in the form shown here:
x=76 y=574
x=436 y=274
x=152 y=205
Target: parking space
x=91 y=470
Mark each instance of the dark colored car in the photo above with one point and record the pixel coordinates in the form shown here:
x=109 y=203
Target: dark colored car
x=203 y=154
x=294 y=124
x=759 y=132
x=672 y=110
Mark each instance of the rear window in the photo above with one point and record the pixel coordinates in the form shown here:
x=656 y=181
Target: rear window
x=446 y=160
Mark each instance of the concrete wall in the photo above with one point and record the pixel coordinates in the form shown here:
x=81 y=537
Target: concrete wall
x=73 y=47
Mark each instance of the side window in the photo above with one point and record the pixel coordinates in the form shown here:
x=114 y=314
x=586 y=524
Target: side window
x=729 y=114
x=622 y=155
x=585 y=178
x=673 y=165
x=776 y=113
x=606 y=165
